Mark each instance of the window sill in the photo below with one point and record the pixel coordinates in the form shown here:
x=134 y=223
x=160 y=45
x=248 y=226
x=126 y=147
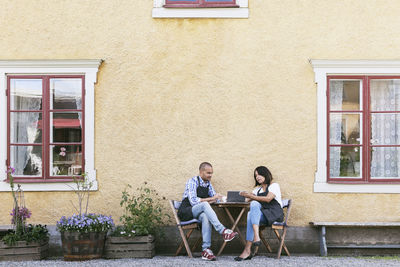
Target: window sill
x=220 y=12
x=321 y=187
x=45 y=187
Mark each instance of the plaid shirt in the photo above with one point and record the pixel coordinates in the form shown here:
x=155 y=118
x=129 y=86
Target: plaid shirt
x=191 y=190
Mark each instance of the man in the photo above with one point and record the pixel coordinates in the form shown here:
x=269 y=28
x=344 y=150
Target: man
x=197 y=197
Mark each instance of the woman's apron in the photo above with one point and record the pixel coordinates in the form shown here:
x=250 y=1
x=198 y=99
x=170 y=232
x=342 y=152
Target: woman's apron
x=272 y=210
x=185 y=210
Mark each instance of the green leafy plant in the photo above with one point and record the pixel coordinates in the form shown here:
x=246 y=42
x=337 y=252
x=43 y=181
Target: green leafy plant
x=19 y=214
x=143 y=213
x=33 y=233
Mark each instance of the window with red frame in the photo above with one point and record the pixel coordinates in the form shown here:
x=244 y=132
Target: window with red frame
x=363 y=129
x=200 y=3
x=45 y=127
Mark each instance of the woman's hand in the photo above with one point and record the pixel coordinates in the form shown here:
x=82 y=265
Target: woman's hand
x=246 y=194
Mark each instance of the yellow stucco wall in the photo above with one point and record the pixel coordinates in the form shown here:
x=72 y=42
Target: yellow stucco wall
x=174 y=92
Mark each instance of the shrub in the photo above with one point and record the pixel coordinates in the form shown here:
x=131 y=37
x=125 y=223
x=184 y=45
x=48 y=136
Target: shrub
x=143 y=213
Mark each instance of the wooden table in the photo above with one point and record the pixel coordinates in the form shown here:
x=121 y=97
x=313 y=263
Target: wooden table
x=227 y=206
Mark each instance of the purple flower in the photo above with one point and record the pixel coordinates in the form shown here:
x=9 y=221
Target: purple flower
x=85 y=223
x=10 y=170
x=22 y=214
x=62 y=153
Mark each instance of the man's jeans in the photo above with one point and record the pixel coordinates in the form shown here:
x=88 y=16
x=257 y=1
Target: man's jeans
x=207 y=216
x=254 y=216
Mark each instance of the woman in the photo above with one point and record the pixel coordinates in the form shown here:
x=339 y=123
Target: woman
x=265 y=208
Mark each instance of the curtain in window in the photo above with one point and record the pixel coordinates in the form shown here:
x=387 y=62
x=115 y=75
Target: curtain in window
x=25 y=130
x=385 y=128
x=335 y=133
x=78 y=101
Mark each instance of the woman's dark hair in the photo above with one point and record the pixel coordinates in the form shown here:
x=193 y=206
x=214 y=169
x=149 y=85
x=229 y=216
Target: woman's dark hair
x=263 y=171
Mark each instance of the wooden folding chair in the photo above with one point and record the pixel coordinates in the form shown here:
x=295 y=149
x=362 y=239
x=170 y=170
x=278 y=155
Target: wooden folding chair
x=186 y=225
x=276 y=226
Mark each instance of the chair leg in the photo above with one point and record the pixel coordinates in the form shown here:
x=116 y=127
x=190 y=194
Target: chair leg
x=196 y=244
x=265 y=242
x=281 y=242
x=185 y=242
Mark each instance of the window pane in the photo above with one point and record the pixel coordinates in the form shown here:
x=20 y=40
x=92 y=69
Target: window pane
x=344 y=95
x=66 y=160
x=385 y=162
x=344 y=128
x=25 y=94
x=345 y=162
x=66 y=127
x=27 y=160
x=66 y=93
x=25 y=127
x=385 y=129
x=385 y=95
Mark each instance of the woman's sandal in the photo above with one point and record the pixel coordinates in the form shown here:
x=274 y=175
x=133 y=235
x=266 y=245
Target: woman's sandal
x=254 y=247
x=243 y=259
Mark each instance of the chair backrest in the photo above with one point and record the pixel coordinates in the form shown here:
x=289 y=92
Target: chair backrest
x=175 y=206
x=287 y=204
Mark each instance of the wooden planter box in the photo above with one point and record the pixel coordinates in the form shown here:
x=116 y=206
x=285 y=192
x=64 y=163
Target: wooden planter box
x=22 y=251
x=130 y=247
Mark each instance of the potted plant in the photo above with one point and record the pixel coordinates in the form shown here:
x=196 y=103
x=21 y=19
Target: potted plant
x=141 y=222
x=22 y=242
x=83 y=234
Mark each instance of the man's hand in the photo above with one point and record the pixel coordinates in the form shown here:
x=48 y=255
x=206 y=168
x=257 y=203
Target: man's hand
x=217 y=196
x=212 y=199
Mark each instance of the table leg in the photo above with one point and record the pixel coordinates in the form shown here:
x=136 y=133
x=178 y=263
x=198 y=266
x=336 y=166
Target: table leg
x=234 y=226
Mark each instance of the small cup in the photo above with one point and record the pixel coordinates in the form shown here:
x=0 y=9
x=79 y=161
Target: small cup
x=224 y=199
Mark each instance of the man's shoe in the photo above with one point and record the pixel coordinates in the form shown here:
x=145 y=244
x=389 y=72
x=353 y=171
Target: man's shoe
x=228 y=235
x=208 y=255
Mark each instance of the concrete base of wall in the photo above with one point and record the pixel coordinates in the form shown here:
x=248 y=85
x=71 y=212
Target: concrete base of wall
x=299 y=240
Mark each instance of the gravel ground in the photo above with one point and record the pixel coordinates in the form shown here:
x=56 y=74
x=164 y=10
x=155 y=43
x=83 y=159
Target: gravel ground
x=221 y=261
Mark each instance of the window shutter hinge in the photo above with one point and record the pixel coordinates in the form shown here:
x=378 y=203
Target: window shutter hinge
x=6 y=92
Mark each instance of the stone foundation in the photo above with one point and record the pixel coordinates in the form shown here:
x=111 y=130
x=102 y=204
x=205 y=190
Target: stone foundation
x=299 y=240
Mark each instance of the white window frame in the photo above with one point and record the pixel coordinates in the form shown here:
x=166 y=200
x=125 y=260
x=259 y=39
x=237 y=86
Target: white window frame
x=89 y=69
x=323 y=68
x=242 y=12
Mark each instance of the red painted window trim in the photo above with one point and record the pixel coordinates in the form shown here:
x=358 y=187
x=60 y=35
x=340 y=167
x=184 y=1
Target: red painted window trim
x=199 y=4
x=366 y=112
x=46 y=98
